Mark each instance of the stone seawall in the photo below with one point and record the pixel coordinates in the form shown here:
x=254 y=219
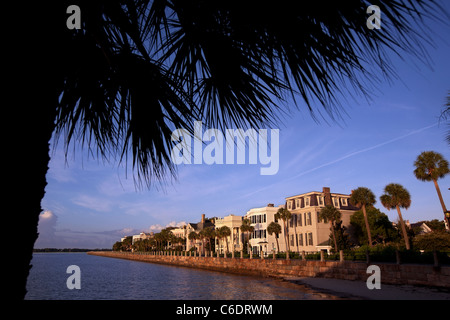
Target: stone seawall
x=410 y=274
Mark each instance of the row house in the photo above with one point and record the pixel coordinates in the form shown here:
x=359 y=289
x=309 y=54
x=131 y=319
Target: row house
x=307 y=232
x=140 y=236
x=260 y=240
x=235 y=240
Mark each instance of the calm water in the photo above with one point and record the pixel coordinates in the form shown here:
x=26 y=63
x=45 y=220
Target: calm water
x=108 y=278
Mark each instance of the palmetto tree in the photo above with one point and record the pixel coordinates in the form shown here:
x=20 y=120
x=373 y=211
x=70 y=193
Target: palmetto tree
x=395 y=197
x=225 y=232
x=333 y=215
x=137 y=69
x=431 y=166
x=247 y=228
x=362 y=197
x=193 y=236
x=207 y=234
x=284 y=214
x=274 y=228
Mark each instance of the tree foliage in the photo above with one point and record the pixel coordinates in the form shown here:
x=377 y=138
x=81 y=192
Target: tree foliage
x=274 y=228
x=439 y=241
x=431 y=166
x=395 y=197
x=136 y=70
x=363 y=197
x=333 y=215
x=381 y=227
x=285 y=215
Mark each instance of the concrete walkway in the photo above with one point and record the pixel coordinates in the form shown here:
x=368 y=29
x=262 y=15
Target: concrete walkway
x=358 y=289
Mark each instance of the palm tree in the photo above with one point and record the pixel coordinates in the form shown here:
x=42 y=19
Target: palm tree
x=219 y=235
x=274 y=228
x=225 y=232
x=247 y=228
x=193 y=236
x=333 y=215
x=396 y=196
x=362 y=197
x=208 y=233
x=136 y=69
x=284 y=214
x=430 y=166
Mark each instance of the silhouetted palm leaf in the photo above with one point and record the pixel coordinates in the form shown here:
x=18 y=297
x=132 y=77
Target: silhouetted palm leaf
x=144 y=68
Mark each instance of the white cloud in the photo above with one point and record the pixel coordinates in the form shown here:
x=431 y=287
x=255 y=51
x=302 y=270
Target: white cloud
x=46 y=229
x=158 y=227
x=97 y=204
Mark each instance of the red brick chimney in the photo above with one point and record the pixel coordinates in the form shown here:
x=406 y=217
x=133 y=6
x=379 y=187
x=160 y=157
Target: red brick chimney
x=327 y=196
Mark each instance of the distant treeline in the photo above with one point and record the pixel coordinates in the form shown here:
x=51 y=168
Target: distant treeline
x=68 y=250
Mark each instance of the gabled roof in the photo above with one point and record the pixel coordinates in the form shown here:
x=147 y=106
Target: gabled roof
x=199 y=226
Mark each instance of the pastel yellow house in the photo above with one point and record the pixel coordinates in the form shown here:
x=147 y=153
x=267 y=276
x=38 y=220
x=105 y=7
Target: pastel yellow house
x=235 y=240
x=306 y=231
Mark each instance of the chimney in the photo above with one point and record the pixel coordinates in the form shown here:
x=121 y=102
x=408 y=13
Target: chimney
x=203 y=218
x=327 y=196
x=270 y=205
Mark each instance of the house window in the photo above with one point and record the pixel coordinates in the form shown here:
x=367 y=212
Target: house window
x=300 y=239
x=310 y=239
x=344 y=202
x=289 y=205
x=308 y=221
x=297 y=203
x=292 y=240
x=299 y=220
x=320 y=200
x=306 y=201
x=293 y=221
x=336 y=202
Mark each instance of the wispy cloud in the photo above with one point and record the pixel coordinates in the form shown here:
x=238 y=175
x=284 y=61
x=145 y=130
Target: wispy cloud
x=362 y=150
x=93 y=203
x=59 y=169
x=347 y=156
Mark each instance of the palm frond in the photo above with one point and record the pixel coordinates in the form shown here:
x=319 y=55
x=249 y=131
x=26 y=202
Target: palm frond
x=137 y=69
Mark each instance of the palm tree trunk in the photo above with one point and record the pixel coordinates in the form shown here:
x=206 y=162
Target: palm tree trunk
x=295 y=234
x=31 y=162
x=248 y=242
x=31 y=112
x=286 y=238
x=405 y=234
x=444 y=209
x=367 y=225
x=334 y=235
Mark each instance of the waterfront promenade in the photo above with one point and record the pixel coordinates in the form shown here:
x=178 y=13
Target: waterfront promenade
x=342 y=274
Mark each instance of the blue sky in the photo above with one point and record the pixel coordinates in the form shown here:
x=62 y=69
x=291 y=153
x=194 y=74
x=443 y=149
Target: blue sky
x=91 y=204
